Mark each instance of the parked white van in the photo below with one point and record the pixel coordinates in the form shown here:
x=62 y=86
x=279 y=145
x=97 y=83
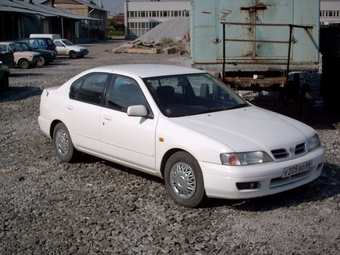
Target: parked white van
x=51 y=36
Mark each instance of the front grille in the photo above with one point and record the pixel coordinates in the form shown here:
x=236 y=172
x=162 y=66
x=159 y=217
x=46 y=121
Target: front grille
x=280 y=153
x=283 y=153
x=300 y=148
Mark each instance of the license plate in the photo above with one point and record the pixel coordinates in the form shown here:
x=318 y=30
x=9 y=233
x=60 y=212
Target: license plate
x=292 y=170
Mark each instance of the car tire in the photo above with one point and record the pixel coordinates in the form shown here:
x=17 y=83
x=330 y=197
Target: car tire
x=73 y=54
x=4 y=85
x=63 y=144
x=42 y=61
x=184 y=180
x=24 y=64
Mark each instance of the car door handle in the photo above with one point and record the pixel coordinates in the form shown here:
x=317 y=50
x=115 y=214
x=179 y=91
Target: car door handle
x=69 y=107
x=107 y=118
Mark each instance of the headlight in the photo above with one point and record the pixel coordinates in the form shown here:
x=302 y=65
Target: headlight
x=313 y=143
x=245 y=158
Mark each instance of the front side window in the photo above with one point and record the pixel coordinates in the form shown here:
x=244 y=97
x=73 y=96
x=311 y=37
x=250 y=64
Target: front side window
x=190 y=94
x=41 y=42
x=59 y=44
x=124 y=92
x=67 y=42
x=89 y=88
x=32 y=42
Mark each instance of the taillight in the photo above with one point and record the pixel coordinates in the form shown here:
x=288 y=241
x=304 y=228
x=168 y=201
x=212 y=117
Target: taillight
x=48 y=47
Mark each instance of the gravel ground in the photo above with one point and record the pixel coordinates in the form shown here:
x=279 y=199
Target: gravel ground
x=97 y=207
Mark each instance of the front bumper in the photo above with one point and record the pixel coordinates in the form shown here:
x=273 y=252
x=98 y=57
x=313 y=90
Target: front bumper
x=221 y=181
x=50 y=58
x=82 y=53
x=35 y=60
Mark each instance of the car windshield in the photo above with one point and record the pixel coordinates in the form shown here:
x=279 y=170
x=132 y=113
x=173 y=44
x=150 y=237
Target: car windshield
x=190 y=94
x=15 y=47
x=67 y=42
x=23 y=46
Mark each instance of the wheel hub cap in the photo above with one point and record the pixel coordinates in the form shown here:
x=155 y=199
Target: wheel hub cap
x=62 y=143
x=183 y=180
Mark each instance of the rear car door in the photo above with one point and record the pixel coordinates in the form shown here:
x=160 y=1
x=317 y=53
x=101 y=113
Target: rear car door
x=83 y=107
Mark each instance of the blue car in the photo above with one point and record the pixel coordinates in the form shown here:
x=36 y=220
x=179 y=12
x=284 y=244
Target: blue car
x=41 y=43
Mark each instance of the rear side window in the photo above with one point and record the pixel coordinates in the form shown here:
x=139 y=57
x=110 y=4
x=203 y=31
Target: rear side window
x=49 y=41
x=89 y=88
x=4 y=48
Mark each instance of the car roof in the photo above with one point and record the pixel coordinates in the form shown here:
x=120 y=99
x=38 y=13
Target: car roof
x=31 y=38
x=146 y=70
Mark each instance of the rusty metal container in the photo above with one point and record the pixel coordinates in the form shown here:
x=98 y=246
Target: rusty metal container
x=243 y=39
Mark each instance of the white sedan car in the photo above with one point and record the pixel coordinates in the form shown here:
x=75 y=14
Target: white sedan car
x=67 y=48
x=183 y=125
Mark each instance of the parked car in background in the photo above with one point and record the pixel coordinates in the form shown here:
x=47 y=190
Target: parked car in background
x=23 y=59
x=46 y=56
x=67 y=48
x=6 y=56
x=4 y=76
x=51 y=36
x=183 y=125
x=41 y=43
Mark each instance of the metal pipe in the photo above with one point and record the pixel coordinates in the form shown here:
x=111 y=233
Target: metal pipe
x=289 y=49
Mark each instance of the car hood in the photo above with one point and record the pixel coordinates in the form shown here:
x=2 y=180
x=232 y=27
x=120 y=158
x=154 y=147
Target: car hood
x=26 y=53
x=250 y=128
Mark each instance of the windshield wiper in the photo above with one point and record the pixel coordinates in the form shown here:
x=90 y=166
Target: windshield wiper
x=216 y=109
x=238 y=106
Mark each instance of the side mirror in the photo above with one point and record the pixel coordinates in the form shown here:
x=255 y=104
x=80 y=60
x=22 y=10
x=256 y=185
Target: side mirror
x=137 y=111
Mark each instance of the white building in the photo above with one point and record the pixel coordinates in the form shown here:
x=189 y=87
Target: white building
x=329 y=11
x=140 y=17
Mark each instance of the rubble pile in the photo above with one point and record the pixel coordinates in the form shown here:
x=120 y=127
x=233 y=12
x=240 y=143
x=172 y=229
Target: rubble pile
x=169 y=37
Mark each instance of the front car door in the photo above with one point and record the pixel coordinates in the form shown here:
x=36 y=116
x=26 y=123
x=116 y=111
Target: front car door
x=124 y=139
x=61 y=49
